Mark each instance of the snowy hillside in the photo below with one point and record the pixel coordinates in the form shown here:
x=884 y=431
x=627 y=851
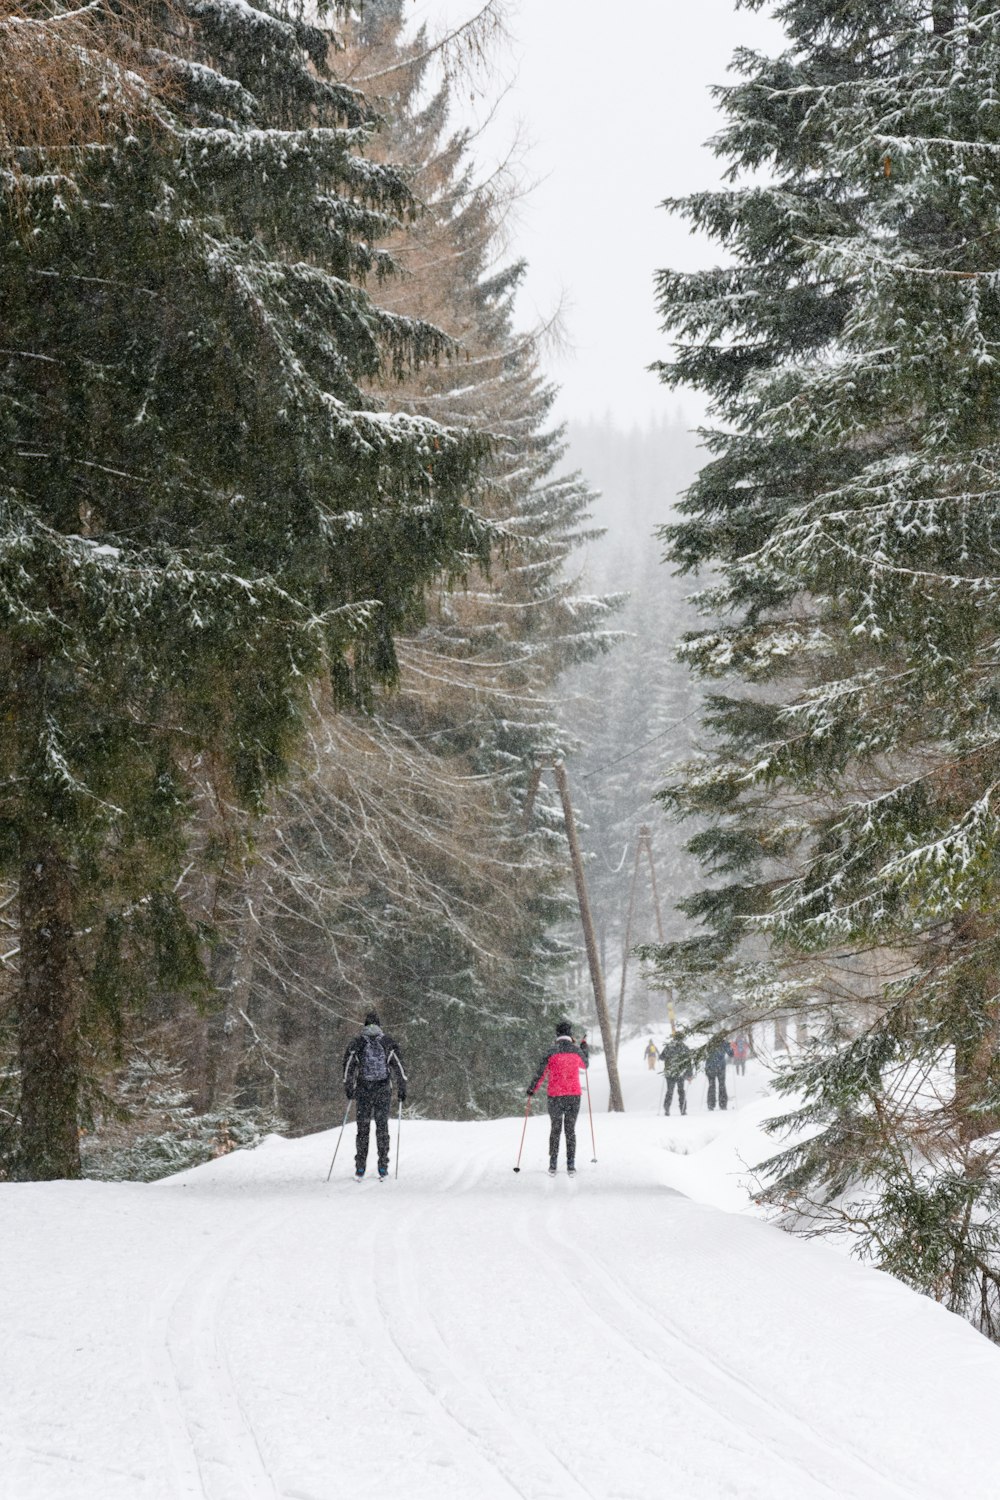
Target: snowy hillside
x=246 y=1331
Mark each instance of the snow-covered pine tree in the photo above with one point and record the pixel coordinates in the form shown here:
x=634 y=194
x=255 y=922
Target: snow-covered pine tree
x=403 y=876
x=868 y=603
x=147 y=1127
x=202 y=512
x=738 y=327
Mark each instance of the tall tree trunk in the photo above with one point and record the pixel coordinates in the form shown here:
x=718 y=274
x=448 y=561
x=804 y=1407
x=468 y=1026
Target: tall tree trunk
x=978 y=1049
x=48 y=1012
x=231 y=970
x=943 y=17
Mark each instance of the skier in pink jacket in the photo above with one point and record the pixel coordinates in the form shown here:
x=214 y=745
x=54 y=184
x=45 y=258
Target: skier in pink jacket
x=560 y=1067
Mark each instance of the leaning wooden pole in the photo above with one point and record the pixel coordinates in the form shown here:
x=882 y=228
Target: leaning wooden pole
x=597 y=979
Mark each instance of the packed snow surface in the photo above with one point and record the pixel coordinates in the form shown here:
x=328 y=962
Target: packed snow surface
x=247 y=1332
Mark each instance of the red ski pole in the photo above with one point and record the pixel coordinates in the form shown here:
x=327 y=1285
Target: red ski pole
x=590 y=1112
x=523 y=1130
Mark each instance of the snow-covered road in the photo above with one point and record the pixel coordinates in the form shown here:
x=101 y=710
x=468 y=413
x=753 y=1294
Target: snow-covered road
x=246 y=1332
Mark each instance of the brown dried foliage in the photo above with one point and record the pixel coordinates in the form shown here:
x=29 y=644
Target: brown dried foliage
x=71 y=79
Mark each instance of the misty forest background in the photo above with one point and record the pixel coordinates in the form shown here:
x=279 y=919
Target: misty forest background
x=299 y=580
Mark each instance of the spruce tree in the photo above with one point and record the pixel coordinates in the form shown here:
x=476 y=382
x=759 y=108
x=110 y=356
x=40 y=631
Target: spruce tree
x=853 y=839
x=203 y=512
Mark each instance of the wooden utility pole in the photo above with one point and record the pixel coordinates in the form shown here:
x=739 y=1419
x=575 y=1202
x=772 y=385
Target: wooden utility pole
x=616 y=1104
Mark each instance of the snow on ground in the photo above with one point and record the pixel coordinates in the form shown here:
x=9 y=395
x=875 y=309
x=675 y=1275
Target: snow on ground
x=248 y=1332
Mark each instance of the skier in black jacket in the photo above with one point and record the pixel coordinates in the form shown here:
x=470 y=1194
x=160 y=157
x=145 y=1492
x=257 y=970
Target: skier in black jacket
x=677 y=1070
x=370 y=1062
x=718 y=1054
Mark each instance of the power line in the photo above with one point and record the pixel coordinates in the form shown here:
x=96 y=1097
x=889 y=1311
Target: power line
x=609 y=764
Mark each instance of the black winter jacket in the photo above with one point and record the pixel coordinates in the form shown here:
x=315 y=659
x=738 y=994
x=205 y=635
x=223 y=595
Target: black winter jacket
x=355 y=1052
x=717 y=1057
x=676 y=1060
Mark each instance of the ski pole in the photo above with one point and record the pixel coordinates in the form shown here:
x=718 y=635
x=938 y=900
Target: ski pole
x=523 y=1130
x=591 y=1114
x=663 y=1090
x=399 y=1132
x=340 y=1137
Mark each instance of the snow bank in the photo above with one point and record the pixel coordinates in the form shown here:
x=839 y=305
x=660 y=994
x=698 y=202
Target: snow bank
x=246 y=1330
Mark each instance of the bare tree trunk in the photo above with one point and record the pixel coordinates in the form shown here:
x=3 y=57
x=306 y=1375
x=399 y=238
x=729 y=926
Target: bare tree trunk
x=943 y=17
x=48 y=1014
x=978 y=1044
x=231 y=970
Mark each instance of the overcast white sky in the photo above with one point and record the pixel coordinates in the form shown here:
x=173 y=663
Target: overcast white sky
x=612 y=97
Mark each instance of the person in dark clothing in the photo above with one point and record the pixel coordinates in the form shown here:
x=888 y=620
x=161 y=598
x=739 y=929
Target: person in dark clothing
x=677 y=1070
x=716 y=1058
x=371 y=1061
x=560 y=1067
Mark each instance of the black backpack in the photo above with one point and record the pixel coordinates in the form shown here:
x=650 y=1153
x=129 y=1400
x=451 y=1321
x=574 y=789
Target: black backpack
x=374 y=1068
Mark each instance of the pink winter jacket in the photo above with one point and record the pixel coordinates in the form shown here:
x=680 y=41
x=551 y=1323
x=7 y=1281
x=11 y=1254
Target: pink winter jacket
x=561 y=1067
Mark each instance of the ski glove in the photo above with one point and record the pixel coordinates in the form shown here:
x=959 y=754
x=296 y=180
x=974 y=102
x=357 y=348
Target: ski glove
x=402 y=1096
x=350 y=1094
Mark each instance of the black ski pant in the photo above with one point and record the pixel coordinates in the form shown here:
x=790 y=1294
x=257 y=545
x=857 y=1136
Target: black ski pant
x=373 y=1099
x=563 y=1110
x=681 y=1096
x=719 y=1078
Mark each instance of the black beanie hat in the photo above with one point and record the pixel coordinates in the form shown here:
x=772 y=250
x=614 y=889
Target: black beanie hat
x=371 y=1019
x=564 y=1028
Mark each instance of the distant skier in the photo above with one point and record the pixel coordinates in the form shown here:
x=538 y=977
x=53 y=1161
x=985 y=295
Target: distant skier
x=650 y=1054
x=716 y=1058
x=560 y=1067
x=370 y=1062
x=677 y=1070
x=741 y=1051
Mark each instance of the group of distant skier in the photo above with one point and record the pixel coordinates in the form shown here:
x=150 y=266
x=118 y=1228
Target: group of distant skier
x=373 y=1061
x=678 y=1068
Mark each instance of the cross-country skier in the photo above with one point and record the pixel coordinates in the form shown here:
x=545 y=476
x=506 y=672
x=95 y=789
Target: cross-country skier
x=741 y=1051
x=370 y=1062
x=677 y=1069
x=650 y=1054
x=716 y=1058
x=560 y=1067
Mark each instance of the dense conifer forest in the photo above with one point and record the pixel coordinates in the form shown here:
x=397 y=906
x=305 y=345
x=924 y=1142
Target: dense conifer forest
x=295 y=588
x=302 y=580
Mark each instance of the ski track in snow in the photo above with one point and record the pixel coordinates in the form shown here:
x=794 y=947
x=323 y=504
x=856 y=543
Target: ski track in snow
x=227 y=1461
x=766 y=1426
x=463 y=1334
x=527 y=1464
